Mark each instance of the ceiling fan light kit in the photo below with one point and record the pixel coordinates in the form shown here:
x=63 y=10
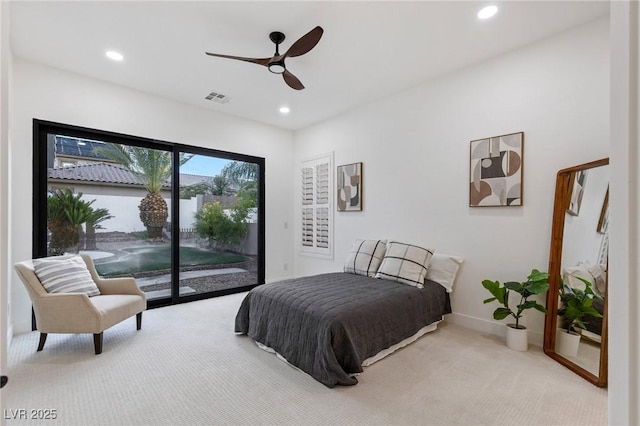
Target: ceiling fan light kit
x=276 y=63
x=277 y=67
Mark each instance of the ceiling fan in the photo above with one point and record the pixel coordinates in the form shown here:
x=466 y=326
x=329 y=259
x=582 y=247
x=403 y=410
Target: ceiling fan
x=276 y=64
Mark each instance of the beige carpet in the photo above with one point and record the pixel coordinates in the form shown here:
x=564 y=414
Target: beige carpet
x=187 y=367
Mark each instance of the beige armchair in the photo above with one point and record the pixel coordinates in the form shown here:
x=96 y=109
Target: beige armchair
x=119 y=299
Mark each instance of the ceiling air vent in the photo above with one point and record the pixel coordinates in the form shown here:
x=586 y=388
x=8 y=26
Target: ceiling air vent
x=218 y=97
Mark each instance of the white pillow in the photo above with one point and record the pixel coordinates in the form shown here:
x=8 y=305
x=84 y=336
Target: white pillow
x=65 y=275
x=405 y=263
x=365 y=257
x=599 y=274
x=443 y=269
x=595 y=274
x=571 y=275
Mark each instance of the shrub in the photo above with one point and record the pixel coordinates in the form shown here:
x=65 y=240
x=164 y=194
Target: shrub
x=219 y=228
x=66 y=212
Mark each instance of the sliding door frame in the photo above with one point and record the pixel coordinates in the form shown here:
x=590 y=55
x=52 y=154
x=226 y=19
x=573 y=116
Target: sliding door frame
x=42 y=128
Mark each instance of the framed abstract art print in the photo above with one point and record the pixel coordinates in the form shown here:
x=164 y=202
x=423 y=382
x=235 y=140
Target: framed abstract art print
x=496 y=171
x=349 y=187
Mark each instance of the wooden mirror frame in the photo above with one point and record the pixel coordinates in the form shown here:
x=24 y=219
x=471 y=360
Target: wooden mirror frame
x=564 y=186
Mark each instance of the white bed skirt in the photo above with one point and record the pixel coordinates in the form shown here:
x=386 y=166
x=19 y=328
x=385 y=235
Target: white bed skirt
x=375 y=358
x=383 y=353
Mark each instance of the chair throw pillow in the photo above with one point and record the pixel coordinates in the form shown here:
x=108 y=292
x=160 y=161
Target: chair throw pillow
x=443 y=269
x=365 y=257
x=65 y=275
x=405 y=263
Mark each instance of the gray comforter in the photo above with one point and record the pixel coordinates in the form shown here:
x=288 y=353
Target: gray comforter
x=328 y=324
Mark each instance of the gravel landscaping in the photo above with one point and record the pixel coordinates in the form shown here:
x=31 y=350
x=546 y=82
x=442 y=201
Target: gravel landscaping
x=212 y=282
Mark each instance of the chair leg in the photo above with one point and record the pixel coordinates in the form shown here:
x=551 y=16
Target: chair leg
x=138 y=320
x=43 y=338
x=97 y=342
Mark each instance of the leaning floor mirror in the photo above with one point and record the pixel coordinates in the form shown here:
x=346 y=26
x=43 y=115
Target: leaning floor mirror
x=576 y=324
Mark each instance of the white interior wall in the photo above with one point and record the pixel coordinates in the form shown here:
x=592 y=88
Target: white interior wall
x=5 y=58
x=54 y=95
x=415 y=150
x=624 y=370
x=582 y=241
x=624 y=292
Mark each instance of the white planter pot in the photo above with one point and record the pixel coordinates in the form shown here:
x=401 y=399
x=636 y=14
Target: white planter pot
x=517 y=338
x=567 y=343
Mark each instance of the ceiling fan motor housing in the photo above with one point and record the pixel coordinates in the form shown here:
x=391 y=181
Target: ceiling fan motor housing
x=277 y=37
x=277 y=65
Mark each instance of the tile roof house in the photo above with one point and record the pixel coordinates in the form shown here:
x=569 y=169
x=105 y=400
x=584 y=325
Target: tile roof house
x=95 y=173
x=79 y=160
x=77 y=164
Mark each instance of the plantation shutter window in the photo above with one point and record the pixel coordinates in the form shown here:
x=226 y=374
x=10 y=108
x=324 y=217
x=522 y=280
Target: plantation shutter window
x=307 y=206
x=317 y=206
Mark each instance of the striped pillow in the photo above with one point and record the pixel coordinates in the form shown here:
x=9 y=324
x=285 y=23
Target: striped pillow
x=365 y=257
x=65 y=275
x=405 y=263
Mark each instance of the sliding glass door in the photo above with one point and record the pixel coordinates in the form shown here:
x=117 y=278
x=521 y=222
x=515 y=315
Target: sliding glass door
x=218 y=224
x=186 y=222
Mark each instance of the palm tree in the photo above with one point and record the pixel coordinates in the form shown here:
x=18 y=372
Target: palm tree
x=94 y=218
x=239 y=172
x=244 y=176
x=153 y=167
x=66 y=212
x=218 y=185
x=221 y=185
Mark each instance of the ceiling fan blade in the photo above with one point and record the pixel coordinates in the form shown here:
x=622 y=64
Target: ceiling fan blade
x=305 y=43
x=292 y=80
x=259 y=61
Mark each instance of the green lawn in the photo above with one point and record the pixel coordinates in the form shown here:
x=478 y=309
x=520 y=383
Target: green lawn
x=145 y=259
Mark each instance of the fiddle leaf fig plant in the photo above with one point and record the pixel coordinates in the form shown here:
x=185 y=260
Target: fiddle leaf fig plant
x=577 y=305
x=537 y=283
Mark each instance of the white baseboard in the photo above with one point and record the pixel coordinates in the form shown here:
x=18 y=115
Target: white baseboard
x=20 y=327
x=495 y=328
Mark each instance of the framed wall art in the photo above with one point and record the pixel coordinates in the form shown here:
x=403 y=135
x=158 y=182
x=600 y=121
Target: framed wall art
x=349 y=185
x=603 y=221
x=578 y=181
x=496 y=165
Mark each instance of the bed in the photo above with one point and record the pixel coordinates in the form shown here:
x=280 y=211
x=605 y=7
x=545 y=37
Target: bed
x=327 y=325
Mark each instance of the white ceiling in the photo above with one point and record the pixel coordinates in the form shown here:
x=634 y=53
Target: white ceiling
x=369 y=50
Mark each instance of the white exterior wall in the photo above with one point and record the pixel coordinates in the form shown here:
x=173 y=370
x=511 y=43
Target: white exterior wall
x=415 y=152
x=124 y=209
x=188 y=209
x=123 y=203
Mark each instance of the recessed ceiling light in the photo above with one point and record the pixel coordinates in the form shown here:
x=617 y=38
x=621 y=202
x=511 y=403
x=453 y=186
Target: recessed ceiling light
x=112 y=54
x=487 y=12
x=284 y=110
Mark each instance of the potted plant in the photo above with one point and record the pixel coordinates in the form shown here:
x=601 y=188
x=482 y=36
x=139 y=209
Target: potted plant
x=576 y=307
x=537 y=283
